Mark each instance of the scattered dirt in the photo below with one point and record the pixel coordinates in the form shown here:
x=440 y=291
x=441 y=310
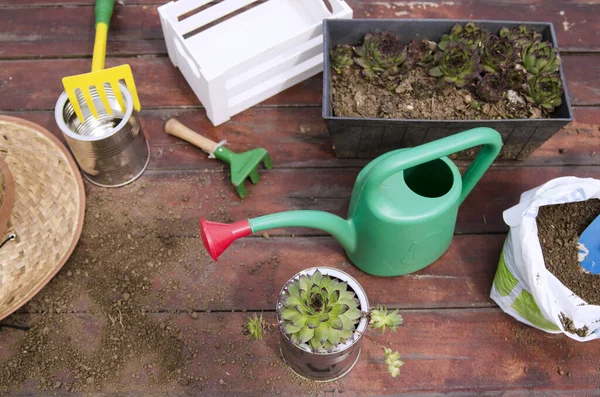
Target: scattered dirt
x=105 y=323
x=115 y=264
x=413 y=94
x=559 y=228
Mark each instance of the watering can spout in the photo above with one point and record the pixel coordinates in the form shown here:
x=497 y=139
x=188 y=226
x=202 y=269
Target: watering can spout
x=216 y=237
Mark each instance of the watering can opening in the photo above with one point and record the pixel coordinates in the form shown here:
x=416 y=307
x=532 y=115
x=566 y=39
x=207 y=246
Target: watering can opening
x=432 y=179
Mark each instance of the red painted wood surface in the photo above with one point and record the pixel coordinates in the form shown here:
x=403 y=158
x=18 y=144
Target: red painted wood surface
x=455 y=341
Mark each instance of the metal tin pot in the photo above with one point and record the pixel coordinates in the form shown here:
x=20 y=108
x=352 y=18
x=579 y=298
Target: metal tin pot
x=324 y=367
x=111 y=150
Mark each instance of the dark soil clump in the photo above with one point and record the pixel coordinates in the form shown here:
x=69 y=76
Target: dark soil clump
x=559 y=228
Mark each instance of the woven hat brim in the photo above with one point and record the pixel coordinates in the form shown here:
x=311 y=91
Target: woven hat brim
x=27 y=268
x=7 y=197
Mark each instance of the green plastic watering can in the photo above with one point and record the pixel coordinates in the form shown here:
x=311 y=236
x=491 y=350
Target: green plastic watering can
x=402 y=211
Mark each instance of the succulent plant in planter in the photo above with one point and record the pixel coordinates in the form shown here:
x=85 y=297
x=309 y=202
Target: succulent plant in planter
x=540 y=57
x=341 y=58
x=322 y=314
x=458 y=64
x=491 y=87
x=545 y=90
x=380 y=52
x=498 y=54
x=471 y=35
x=520 y=36
x=421 y=52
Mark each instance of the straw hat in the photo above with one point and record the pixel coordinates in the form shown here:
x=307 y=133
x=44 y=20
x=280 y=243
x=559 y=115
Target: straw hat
x=42 y=201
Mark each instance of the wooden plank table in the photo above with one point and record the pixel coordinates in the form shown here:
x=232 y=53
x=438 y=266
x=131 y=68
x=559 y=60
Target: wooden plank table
x=140 y=309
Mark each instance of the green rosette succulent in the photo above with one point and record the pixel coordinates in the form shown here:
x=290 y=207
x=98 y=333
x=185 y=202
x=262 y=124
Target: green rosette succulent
x=545 y=90
x=520 y=36
x=319 y=311
x=254 y=327
x=471 y=35
x=381 y=318
x=457 y=64
x=491 y=87
x=540 y=57
x=421 y=52
x=341 y=57
x=392 y=360
x=380 y=52
x=497 y=54
x=515 y=78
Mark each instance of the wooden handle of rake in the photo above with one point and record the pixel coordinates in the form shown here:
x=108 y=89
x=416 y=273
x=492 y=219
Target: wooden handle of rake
x=175 y=128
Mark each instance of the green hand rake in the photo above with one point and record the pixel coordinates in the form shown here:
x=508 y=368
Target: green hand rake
x=242 y=165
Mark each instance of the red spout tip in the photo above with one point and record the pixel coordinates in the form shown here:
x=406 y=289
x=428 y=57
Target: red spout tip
x=216 y=236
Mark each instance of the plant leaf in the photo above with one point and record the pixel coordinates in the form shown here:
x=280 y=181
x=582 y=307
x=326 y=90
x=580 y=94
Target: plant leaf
x=339 y=309
x=293 y=289
x=435 y=71
x=335 y=337
x=336 y=323
x=322 y=332
x=289 y=328
x=289 y=314
x=305 y=334
x=312 y=322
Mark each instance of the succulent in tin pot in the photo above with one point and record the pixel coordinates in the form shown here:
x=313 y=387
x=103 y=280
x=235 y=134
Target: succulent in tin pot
x=458 y=64
x=473 y=36
x=341 y=58
x=322 y=314
x=545 y=90
x=540 y=57
x=380 y=52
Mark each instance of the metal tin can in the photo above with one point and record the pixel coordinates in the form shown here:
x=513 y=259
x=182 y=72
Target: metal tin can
x=111 y=150
x=325 y=367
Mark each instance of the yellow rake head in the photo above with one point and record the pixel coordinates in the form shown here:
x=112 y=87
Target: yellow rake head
x=85 y=82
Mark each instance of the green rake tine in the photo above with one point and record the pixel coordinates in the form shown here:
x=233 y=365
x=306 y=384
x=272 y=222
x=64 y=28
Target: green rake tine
x=242 y=192
x=254 y=177
x=267 y=162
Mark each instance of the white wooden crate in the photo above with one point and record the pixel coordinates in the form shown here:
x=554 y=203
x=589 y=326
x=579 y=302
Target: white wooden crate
x=241 y=60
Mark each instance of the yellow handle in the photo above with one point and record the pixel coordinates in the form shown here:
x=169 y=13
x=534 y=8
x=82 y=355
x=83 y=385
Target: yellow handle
x=175 y=128
x=99 y=47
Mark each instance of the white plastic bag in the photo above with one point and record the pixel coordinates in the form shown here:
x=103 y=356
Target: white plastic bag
x=523 y=287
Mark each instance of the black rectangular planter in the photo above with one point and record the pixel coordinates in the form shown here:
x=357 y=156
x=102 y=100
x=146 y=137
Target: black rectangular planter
x=370 y=137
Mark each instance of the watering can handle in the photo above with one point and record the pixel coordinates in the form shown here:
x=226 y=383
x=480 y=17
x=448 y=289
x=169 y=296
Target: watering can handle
x=489 y=138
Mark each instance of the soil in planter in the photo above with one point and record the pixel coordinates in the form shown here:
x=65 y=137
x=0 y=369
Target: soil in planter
x=559 y=228
x=413 y=94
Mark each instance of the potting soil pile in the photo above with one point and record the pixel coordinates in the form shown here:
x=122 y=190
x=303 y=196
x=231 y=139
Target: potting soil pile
x=539 y=280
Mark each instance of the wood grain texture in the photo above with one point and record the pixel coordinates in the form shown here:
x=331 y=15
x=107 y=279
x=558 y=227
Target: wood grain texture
x=183 y=197
x=135 y=27
x=455 y=341
x=297 y=137
x=252 y=272
x=455 y=352
x=161 y=85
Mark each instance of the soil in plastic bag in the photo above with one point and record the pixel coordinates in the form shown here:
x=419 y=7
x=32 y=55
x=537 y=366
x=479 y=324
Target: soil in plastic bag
x=559 y=229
